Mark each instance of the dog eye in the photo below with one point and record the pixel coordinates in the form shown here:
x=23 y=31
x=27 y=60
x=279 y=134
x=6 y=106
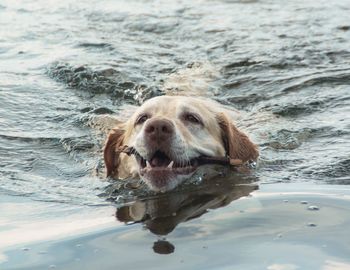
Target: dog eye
x=141 y=119
x=195 y=119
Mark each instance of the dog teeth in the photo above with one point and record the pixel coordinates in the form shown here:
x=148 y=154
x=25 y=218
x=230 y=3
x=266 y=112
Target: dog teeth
x=148 y=165
x=171 y=164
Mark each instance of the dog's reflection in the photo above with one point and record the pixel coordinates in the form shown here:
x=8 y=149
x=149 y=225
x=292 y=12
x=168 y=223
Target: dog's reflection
x=161 y=214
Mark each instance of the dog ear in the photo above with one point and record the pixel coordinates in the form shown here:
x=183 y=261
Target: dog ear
x=111 y=156
x=237 y=144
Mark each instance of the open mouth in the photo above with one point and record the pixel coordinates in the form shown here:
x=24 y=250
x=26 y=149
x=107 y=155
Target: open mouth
x=162 y=163
x=161 y=172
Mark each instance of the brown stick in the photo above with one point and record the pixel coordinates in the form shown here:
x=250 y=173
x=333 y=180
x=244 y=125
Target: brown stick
x=126 y=150
x=219 y=160
x=226 y=161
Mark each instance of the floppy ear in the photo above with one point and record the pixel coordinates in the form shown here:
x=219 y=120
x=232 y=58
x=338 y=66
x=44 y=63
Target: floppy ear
x=237 y=144
x=111 y=156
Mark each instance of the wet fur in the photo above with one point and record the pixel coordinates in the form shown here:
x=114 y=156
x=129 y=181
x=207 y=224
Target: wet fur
x=235 y=143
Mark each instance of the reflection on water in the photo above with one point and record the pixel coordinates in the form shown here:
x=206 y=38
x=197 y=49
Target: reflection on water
x=161 y=214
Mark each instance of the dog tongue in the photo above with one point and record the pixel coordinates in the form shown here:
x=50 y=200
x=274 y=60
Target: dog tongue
x=159 y=160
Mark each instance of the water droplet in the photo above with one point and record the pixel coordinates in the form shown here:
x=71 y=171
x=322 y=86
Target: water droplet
x=52 y=266
x=119 y=199
x=278 y=236
x=252 y=165
x=313 y=208
x=78 y=245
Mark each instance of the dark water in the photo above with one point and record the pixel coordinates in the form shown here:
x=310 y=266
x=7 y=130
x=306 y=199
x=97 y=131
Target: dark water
x=66 y=65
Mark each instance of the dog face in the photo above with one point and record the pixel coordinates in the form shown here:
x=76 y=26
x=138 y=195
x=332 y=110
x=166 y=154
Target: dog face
x=169 y=133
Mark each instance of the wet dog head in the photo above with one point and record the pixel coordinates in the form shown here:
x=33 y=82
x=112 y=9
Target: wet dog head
x=169 y=133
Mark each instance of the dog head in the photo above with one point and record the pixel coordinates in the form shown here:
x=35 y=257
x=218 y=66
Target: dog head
x=169 y=133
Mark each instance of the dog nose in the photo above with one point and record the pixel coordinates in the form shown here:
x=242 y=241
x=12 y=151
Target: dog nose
x=159 y=129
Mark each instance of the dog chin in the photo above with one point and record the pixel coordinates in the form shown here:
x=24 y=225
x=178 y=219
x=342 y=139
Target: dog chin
x=164 y=183
x=162 y=173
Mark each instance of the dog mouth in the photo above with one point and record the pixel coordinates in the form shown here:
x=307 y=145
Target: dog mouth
x=160 y=163
x=161 y=172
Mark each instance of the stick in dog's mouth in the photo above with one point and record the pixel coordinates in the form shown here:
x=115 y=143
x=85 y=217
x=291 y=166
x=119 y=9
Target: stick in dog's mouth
x=201 y=160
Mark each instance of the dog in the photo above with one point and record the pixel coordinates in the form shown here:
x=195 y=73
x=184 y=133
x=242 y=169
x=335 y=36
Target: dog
x=168 y=135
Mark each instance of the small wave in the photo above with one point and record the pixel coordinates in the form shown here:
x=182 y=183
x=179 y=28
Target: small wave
x=344 y=27
x=104 y=81
x=77 y=144
x=149 y=24
x=197 y=78
x=38 y=140
x=242 y=63
x=100 y=110
x=319 y=79
x=243 y=102
x=106 y=17
x=290 y=139
x=96 y=45
x=337 y=172
x=292 y=110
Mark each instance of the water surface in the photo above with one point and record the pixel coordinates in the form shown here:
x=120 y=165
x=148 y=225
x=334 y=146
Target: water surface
x=67 y=67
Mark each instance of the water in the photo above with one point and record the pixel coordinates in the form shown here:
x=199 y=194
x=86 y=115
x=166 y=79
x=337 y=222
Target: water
x=65 y=63
x=65 y=66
